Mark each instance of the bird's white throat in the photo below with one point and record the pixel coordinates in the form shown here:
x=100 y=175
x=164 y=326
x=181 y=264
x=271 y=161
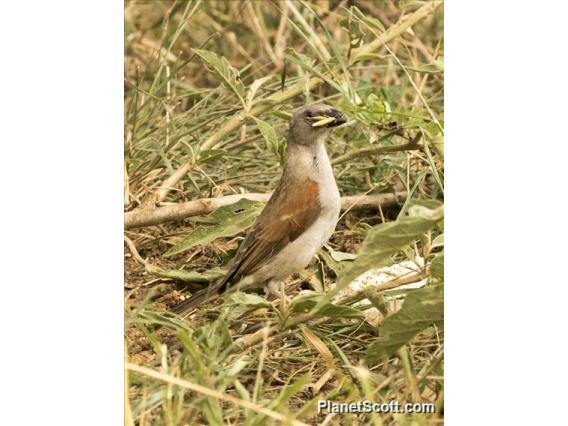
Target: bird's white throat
x=312 y=163
x=308 y=162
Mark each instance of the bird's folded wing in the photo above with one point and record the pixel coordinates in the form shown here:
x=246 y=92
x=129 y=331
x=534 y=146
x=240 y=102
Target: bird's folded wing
x=290 y=211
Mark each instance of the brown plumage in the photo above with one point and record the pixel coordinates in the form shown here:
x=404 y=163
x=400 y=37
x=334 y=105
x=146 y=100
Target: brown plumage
x=299 y=217
x=291 y=210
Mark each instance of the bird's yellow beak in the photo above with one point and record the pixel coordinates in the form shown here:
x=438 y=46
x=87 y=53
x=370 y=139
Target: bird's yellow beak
x=323 y=120
x=329 y=118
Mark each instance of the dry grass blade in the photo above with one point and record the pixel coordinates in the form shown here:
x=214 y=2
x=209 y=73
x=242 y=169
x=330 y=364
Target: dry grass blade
x=128 y=417
x=211 y=392
x=319 y=346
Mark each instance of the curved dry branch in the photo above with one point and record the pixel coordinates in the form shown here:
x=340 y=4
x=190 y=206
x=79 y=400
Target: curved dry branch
x=172 y=212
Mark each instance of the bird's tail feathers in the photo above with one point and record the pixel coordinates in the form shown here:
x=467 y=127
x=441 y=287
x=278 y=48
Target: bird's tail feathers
x=202 y=296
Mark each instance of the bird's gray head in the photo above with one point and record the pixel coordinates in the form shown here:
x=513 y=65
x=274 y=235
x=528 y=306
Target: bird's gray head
x=313 y=123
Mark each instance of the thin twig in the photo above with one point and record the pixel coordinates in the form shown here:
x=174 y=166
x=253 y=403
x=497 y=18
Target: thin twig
x=134 y=251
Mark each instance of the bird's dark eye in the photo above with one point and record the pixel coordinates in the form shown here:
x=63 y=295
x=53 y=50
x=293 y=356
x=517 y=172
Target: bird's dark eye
x=309 y=114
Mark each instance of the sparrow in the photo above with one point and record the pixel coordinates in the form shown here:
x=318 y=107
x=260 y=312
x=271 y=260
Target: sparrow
x=299 y=217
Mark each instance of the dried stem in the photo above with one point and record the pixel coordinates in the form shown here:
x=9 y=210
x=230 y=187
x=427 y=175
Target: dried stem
x=156 y=215
x=134 y=251
x=171 y=181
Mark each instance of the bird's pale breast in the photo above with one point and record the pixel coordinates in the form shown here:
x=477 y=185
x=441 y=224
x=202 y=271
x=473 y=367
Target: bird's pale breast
x=298 y=254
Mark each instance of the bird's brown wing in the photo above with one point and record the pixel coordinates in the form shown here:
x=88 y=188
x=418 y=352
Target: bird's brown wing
x=291 y=210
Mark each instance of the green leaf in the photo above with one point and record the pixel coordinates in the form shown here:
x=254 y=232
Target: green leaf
x=210 y=155
x=334 y=265
x=435 y=67
x=376 y=110
x=201 y=347
x=305 y=304
x=234 y=369
x=336 y=260
x=269 y=135
x=341 y=256
x=186 y=276
x=353 y=28
x=224 y=71
x=369 y=20
x=307 y=64
x=243 y=392
x=438 y=241
x=230 y=220
x=421 y=309
x=290 y=390
x=438 y=143
x=437 y=267
x=241 y=298
x=282 y=152
x=383 y=241
x=423 y=207
x=253 y=88
x=240 y=303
